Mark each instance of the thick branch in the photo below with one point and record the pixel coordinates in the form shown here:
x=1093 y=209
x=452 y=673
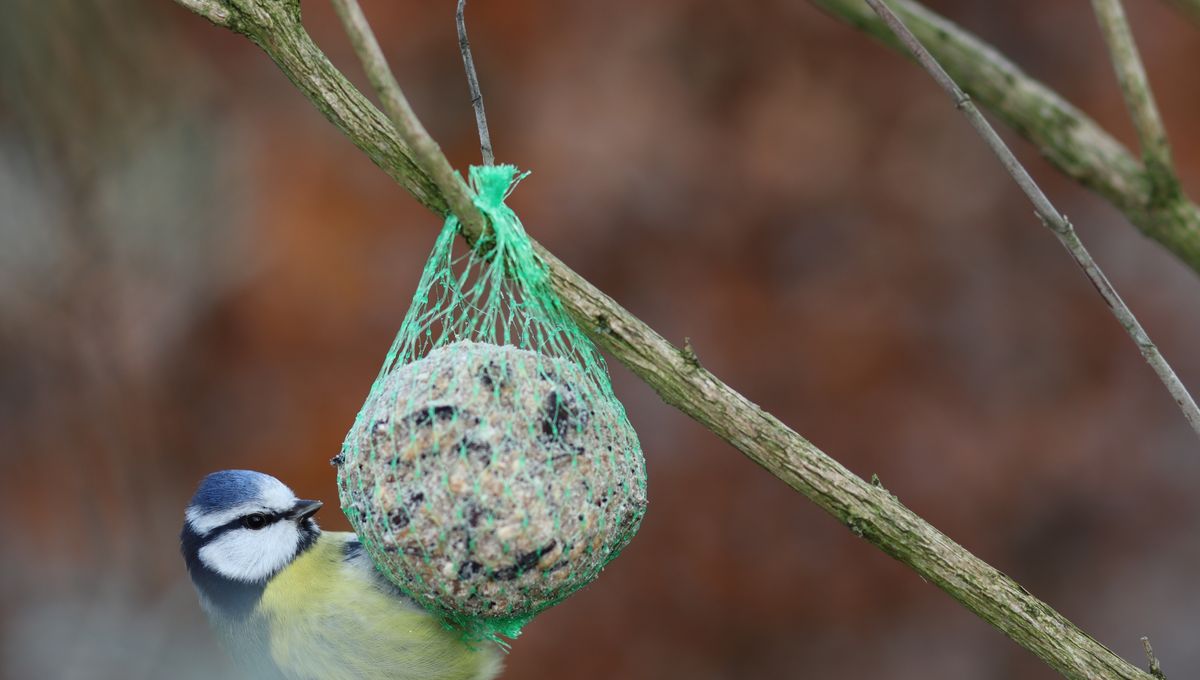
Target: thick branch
x=1062 y=133
x=1152 y=136
x=868 y=510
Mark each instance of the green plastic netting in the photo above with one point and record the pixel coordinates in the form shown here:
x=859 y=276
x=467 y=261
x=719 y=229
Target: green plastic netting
x=491 y=472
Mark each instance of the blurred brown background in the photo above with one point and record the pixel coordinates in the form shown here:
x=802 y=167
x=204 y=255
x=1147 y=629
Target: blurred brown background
x=198 y=272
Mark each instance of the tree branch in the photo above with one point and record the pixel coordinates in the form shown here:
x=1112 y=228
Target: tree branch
x=1152 y=136
x=274 y=25
x=1155 y=668
x=1048 y=214
x=464 y=46
x=429 y=156
x=869 y=511
x=212 y=10
x=1067 y=137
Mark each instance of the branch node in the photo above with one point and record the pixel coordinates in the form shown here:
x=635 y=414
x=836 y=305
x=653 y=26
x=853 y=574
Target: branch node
x=601 y=325
x=1155 y=669
x=689 y=355
x=1057 y=223
x=857 y=526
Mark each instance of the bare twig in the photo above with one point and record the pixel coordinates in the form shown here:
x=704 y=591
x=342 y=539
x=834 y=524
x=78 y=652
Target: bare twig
x=1048 y=214
x=485 y=139
x=428 y=154
x=1067 y=137
x=1155 y=669
x=1152 y=136
x=677 y=376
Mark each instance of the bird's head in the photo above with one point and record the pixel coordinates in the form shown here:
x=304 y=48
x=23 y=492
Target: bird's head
x=240 y=529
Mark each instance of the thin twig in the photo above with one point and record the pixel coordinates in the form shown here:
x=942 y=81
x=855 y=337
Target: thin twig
x=871 y=512
x=1152 y=136
x=427 y=152
x=1048 y=214
x=1065 y=136
x=1155 y=669
x=485 y=139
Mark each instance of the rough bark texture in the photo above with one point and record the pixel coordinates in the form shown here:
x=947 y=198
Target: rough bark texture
x=867 y=509
x=1066 y=136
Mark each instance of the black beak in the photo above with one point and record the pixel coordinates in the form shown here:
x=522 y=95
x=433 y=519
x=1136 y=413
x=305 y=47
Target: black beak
x=302 y=510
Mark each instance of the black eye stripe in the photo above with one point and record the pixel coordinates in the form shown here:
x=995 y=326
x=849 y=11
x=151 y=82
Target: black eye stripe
x=236 y=523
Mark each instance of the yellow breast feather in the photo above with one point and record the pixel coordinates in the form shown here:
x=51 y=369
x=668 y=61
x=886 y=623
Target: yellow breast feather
x=332 y=618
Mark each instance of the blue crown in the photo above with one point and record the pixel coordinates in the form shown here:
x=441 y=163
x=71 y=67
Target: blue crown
x=228 y=488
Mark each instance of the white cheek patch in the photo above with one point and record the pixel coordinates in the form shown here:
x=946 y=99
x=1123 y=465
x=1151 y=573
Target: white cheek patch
x=250 y=556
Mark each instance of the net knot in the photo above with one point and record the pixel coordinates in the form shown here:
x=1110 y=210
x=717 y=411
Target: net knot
x=507 y=240
x=493 y=184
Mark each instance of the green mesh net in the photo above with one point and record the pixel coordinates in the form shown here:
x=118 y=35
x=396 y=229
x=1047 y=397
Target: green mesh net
x=492 y=471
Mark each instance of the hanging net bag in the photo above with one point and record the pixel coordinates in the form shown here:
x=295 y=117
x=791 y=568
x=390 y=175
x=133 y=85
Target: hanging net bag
x=492 y=471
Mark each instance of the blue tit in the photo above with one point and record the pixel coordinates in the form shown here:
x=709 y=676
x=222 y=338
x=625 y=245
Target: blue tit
x=291 y=602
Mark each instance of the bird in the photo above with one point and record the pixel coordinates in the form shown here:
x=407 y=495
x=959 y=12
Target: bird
x=291 y=602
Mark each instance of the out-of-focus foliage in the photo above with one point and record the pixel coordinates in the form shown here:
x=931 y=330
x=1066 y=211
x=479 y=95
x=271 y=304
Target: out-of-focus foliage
x=197 y=272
